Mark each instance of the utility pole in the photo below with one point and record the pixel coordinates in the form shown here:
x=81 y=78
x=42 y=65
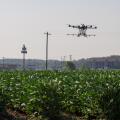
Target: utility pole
x=24 y=51
x=61 y=63
x=3 y=63
x=47 y=34
x=64 y=58
x=70 y=57
x=64 y=62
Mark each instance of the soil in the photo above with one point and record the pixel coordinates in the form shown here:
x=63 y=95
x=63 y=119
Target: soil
x=10 y=114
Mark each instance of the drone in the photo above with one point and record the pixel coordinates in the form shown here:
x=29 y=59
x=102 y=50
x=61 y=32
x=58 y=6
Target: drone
x=82 y=30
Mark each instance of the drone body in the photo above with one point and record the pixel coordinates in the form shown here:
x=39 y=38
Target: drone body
x=82 y=30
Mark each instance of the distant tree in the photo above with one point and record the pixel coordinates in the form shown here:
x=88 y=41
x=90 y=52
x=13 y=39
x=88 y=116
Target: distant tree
x=69 y=65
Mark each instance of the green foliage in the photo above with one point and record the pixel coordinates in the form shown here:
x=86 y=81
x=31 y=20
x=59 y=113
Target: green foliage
x=70 y=65
x=48 y=100
x=110 y=103
x=2 y=102
x=48 y=93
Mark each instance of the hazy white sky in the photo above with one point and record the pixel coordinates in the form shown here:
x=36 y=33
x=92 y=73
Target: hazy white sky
x=25 y=21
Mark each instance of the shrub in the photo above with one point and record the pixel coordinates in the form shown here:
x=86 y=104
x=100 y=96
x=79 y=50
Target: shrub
x=110 y=103
x=48 y=103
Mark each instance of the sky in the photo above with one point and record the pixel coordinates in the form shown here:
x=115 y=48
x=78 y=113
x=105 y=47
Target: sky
x=26 y=21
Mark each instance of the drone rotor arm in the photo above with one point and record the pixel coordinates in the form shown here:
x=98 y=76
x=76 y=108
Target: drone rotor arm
x=74 y=26
x=91 y=35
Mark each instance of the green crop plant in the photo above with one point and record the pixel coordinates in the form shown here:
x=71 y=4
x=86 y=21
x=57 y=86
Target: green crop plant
x=50 y=93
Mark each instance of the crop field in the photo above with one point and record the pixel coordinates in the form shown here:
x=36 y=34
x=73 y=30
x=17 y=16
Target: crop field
x=86 y=94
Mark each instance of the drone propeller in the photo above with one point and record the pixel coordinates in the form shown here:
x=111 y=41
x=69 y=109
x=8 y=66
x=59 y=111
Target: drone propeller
x=69 y=25
x=72 y=34
x=95 y=27
x=91 y=35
